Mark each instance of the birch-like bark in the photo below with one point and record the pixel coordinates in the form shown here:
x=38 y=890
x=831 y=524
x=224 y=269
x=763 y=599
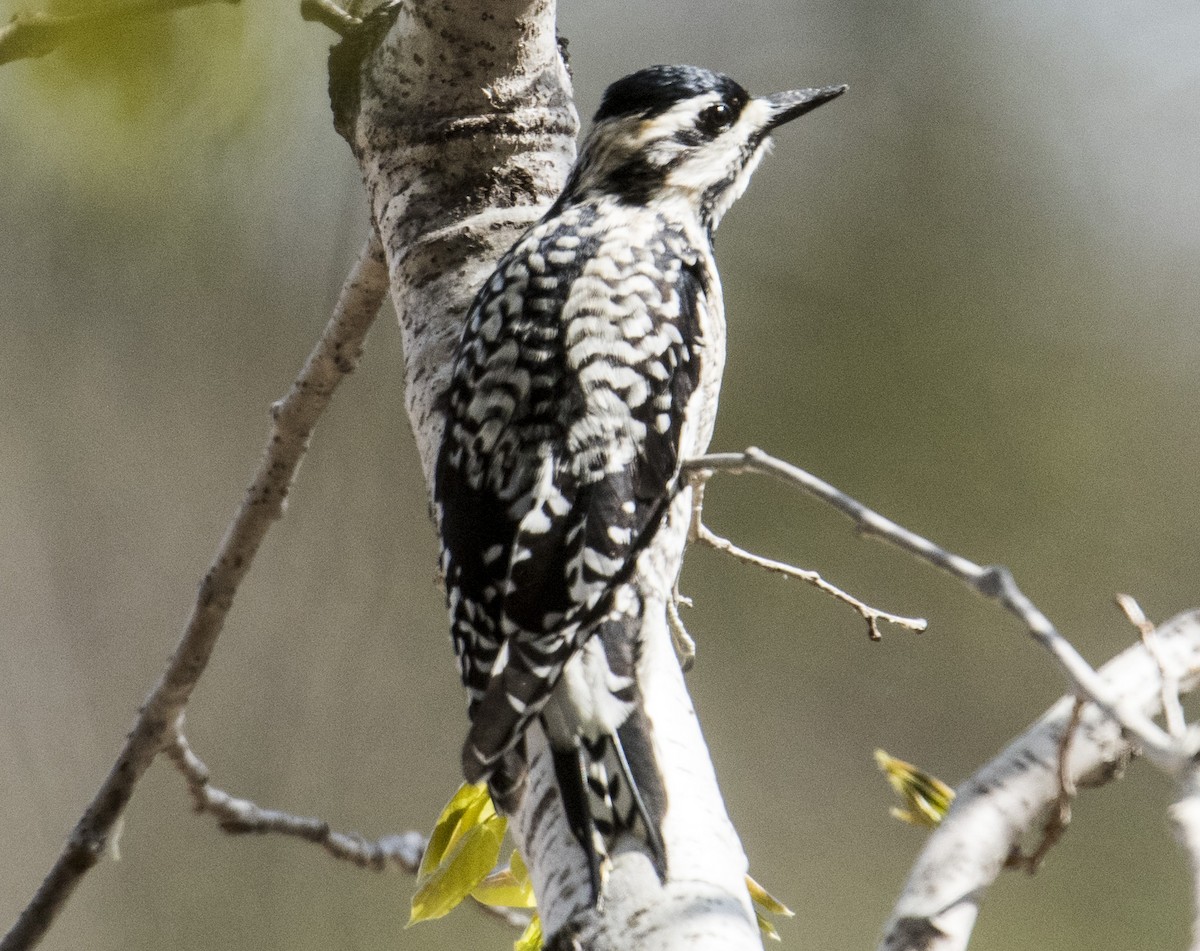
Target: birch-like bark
x=1185 y=816
x=1009 y=798
x=462 y=120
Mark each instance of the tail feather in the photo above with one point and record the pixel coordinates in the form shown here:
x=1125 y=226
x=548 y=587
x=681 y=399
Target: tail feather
x=512 y=700
x=612 y=793
x=506 y=783
x=589 y=704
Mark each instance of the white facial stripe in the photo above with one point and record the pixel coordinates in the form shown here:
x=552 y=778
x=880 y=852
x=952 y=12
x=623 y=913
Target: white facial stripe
x=756 y=114
x=691 y=171
x=682 y=115
x=699 y=172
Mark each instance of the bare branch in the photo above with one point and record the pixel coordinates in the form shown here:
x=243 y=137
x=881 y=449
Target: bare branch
x=335 y=354
x=1185 y=816
x=241 y=816
x=1185 y=811
x=685 y=644
x=1172 y=710
x=238 y=816
x=1060 y=816
x=329 y=14
x=869 y=614
x=30 y=35
x=1009 y=796
x=994 y=582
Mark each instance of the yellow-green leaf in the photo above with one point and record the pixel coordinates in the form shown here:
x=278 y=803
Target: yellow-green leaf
x=470 y=806
x=766 y=901
x=509 y=887
x=516 y=865
x=926 y=798
x=531 y=937
x=468 y=863
x=766 y=927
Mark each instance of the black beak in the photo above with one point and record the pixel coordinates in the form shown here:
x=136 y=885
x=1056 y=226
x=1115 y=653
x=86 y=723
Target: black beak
x=786 y=106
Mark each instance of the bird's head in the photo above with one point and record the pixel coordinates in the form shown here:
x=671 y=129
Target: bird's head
x=682 y=134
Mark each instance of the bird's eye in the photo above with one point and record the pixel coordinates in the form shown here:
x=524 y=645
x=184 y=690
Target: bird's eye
x=715 y=119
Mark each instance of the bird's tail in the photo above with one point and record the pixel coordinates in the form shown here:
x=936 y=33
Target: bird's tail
x=603 y=754
x=612 y=793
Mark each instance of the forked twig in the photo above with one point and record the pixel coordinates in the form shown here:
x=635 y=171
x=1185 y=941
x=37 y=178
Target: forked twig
x=869 y=614
x=238 y=816
x=1172 y=708
x=698 y=532
x=993 y=581
x=241 y=817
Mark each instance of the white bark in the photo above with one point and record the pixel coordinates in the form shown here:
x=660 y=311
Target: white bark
x=465 y=131
x=1185 y=815
x=1009 y=797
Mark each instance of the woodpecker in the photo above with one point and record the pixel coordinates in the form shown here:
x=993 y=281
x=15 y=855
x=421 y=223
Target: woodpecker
x=588 y=369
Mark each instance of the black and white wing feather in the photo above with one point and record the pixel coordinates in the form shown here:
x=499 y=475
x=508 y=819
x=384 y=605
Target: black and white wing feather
x=569 y=393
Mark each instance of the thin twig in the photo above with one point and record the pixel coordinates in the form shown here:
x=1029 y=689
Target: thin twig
x=241 y=817
x=685 y=644
x=238 y=816
x=1172 y=708
x=698 y=479
x=994 y=582
x=330 y=14
x=336 y=354
x=513 y=917
x=1060 y=815
x=30 y=35
x=869 y=614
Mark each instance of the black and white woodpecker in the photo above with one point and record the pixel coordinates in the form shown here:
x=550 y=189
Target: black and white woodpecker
x=589 y=368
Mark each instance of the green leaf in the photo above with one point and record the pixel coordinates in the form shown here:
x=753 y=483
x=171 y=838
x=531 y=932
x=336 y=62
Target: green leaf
x=531 y=937
x=464 y=867
x=470 y=806
x=516 y=864
x=766 y=927
x=926 y=798
x=509 y=887
x=766 y=901
x=766 y=904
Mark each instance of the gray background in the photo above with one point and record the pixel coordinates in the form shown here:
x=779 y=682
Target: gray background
x=966 y=292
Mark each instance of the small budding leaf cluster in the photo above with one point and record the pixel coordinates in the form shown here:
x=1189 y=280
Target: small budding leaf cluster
x=461 y=862
x=926 y=798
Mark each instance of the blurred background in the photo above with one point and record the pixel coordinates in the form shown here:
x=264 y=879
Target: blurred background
x=966 y=293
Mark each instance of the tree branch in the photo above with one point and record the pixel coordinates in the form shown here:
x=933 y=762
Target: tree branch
x=464 y=130
x=31 y=35
x=994 y=582
x=241 y=816
x=871 y=615
x=1185 y=817
x=1185 y=811
x=996 y=824
x=335 y=354
x=238 y=816
x=329 y=14
x=1008 y=797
